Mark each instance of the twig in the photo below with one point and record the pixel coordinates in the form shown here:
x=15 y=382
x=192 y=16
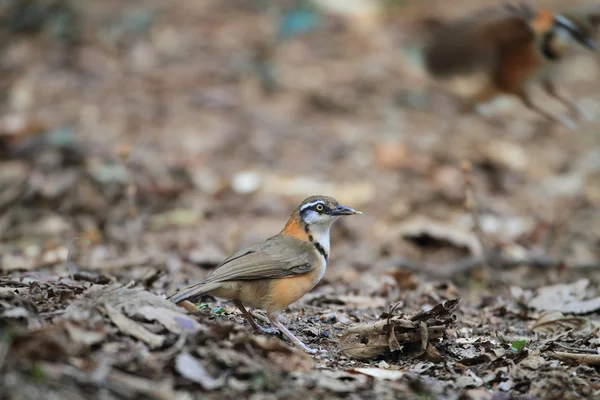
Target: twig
x=472 y=205
x=131 y=190
x=564 y=346
x=590 y=359
x=72 y=266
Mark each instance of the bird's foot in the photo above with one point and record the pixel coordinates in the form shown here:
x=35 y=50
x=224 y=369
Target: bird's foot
x=310 y=350
x=268 y=331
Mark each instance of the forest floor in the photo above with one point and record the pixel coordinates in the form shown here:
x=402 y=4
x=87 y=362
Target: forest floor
x=142 y=143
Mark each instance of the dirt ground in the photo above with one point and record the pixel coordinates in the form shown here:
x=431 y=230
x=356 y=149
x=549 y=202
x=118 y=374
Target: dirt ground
x=142 y=142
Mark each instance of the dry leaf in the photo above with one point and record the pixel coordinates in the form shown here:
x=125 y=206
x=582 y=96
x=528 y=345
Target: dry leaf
x=340 y=381
x=566 y=298
x=453 y=235
x=132 y=328
x=191 y=368
x=174 y=321
x=533 y=361
x=551 y=321
x=367 y=341
x=84 y=336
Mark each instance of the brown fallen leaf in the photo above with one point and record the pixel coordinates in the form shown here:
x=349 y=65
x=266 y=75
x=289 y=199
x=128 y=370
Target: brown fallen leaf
x=566 y=298
x=48 y=343
x=367 y=341
x=459 y=239
x=173 y=320
x=191 y=368
x=433 y=354
x=551 y=321
x=286 y=358
x=338 y=381
x=123 y=306
x=533 y=361
x=80 y=334
x=133 y=328
x=127 y=385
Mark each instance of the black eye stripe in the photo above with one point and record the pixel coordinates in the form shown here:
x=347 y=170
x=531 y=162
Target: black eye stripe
x=573 y=29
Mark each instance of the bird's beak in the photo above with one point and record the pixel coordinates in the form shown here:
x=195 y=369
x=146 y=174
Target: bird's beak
x=343 y=210
x=590 y=44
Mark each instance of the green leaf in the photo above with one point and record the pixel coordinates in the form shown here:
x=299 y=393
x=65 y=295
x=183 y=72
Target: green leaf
x=36 y=372
x=217 y=310
x=518 y=345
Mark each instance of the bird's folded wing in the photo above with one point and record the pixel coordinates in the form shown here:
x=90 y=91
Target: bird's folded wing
x=278 y=257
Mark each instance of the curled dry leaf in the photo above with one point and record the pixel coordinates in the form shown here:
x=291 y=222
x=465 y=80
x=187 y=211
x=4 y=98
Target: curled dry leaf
x=122 y=304
x=284 y=357
x=566 y=298
x=133 y=328
x=551 y=321
x=191 y=368
x=340 y=381
x=450 y=235
x=367 y=341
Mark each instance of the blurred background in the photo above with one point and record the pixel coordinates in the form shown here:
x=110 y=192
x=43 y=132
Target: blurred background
x=144 y=139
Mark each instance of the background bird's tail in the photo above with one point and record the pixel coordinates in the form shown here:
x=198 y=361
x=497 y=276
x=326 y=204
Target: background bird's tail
x=193 y=292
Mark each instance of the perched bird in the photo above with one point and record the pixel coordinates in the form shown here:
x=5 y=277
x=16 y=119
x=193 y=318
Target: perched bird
x=275 y=273
x=509 y=48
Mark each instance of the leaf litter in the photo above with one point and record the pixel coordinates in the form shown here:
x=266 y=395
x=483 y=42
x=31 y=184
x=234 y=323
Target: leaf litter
x=102 y=213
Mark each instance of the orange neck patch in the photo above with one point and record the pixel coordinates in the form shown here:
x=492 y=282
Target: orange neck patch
x=543 y=21
x=295 y=228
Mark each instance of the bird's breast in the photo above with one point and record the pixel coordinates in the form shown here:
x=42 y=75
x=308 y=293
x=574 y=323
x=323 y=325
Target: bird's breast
x=285 y=291
x=321 y=268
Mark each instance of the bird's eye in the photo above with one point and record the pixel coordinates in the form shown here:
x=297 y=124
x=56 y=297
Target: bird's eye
x=319 y=207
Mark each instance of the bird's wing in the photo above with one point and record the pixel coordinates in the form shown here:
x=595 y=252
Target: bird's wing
x=278 y=257
x=475 y=42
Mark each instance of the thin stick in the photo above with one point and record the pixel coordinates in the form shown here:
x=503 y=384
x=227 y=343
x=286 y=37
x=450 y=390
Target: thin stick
x=472 y=206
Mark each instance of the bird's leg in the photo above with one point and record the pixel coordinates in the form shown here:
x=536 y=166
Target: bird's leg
x=250 y=320
x=527 y=100
x=550 y=88
x=290 y=335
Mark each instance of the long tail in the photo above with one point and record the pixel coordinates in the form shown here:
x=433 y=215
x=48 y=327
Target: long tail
x=193 y=292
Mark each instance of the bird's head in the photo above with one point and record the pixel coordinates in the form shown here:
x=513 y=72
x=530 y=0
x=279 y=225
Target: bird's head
x=577 y=28
x=315 y=215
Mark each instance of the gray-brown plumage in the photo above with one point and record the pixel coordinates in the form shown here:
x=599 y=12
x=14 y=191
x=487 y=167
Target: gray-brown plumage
x=280 y=256
x=275 y=273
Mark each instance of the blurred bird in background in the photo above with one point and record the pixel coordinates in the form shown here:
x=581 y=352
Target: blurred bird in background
x=505 y=50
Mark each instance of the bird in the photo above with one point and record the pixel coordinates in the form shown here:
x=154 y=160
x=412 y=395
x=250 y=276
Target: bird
x=508 y=49
x=275 y=273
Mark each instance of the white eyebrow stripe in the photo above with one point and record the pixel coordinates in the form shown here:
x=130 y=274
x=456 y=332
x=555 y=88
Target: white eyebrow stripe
x=561 y=19
x=308 y=205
